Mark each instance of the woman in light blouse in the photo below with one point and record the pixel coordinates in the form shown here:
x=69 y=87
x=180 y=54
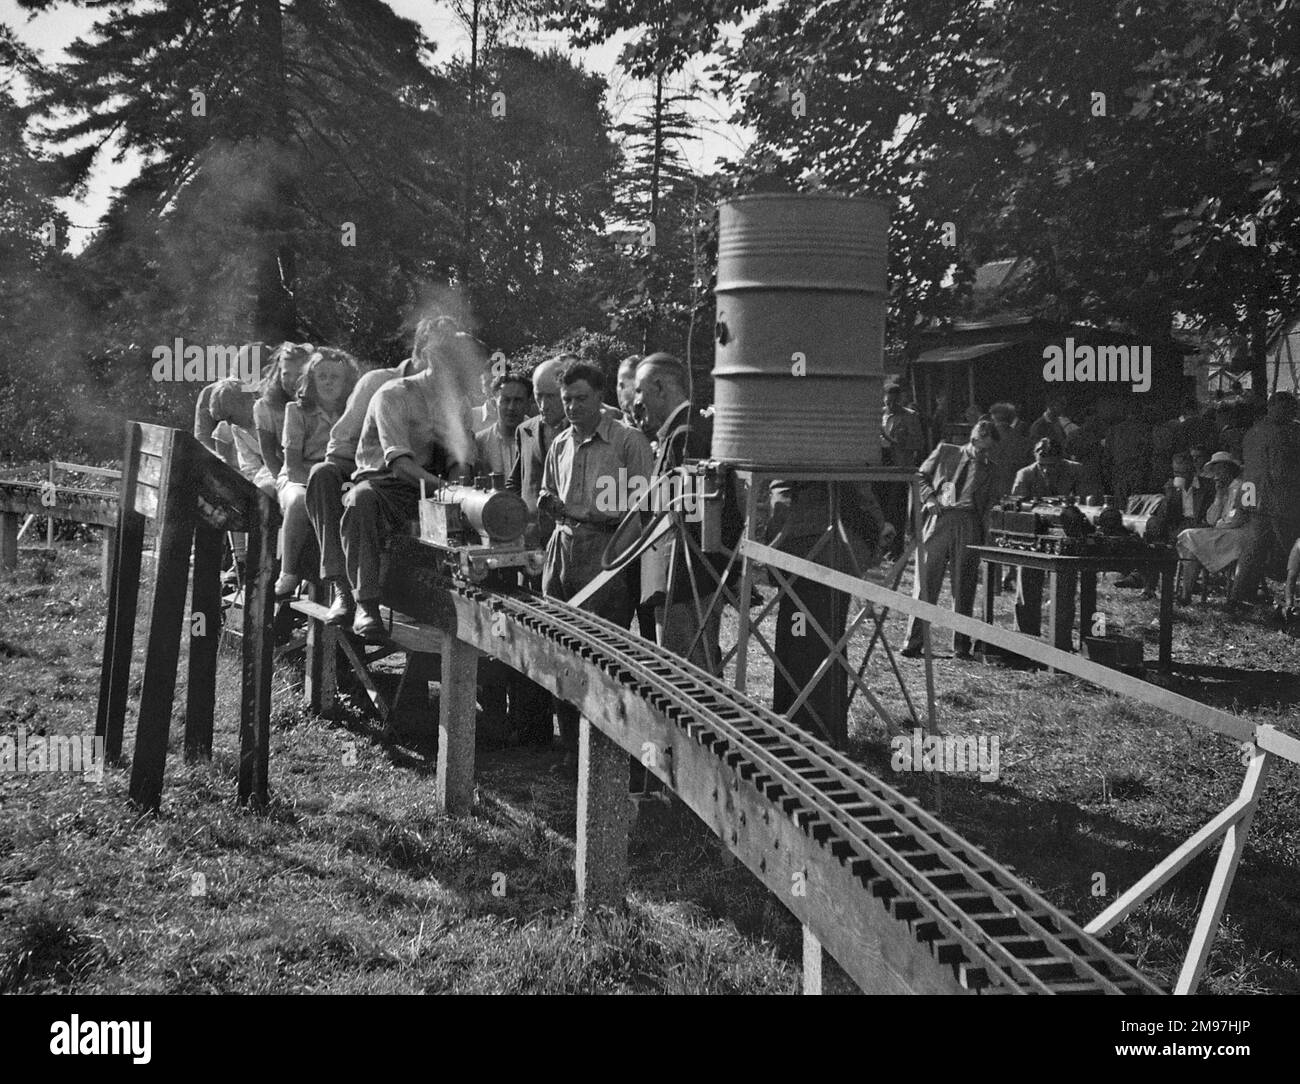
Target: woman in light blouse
x=279 y=386
x=327 y=381
x=1219 y=544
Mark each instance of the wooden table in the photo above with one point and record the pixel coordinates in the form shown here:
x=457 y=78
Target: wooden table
x=1062 y=575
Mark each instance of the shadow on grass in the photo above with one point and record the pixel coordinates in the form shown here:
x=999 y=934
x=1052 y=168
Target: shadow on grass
x=1231 y=687
x=1061 y=849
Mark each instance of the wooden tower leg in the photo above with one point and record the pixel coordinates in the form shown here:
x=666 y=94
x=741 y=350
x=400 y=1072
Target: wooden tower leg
x=604 y=813
x=205 y=638
x=454 y=778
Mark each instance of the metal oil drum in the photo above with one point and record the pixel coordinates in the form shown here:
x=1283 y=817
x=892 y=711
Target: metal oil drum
x=800 y=331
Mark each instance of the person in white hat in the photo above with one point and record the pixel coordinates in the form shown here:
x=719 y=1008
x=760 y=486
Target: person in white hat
x=1215 y=546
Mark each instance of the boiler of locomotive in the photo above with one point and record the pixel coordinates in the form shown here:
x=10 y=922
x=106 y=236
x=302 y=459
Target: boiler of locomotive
x=460 y=515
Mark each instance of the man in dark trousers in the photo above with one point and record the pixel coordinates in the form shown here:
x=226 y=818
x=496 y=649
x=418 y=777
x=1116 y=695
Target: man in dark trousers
x=1051 y=475
x=584 y=462
x=508 y=697
x=662 y=398
x=956 y=494
x=401 y=445
x=902 y=444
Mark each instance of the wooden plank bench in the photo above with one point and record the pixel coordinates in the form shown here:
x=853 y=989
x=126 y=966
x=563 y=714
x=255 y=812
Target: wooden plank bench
x=89 y=506
x=422 y=645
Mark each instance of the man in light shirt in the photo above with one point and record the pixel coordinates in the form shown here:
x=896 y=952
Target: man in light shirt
x=497 y=445
x=401 y=445
x=584 y=460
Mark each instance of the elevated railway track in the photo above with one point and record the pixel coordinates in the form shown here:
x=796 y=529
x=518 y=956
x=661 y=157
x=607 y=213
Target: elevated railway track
x=902 y=902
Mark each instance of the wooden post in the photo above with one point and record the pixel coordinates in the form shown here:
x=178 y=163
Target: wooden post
x=8 y=541
x=1087 y=600
x=321 y=669
x=604 y=812
x=123 y=598
x=1165 y=659
x=258 y=644
x=175 y=537
x=205 y=638
x=746 y=585
x=108 y=548
x=410 y=712
x=454 y=778
x=812 y=963
x=49 y=521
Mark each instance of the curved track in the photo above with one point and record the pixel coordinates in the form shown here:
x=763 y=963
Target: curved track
x=997 y=933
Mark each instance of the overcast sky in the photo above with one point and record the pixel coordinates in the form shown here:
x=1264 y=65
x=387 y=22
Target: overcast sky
x=49 y=33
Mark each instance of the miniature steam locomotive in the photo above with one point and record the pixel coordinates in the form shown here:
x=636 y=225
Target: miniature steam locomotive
x=1058 y=526
x=479 y=529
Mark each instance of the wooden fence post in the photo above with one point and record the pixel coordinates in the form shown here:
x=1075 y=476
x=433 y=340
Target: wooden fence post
x=258 y=643
x=175 y=538
x=8 y=541
x=123 y=598
x=205 y=639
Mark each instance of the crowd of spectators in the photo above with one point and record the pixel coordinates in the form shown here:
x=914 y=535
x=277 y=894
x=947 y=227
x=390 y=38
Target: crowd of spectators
x=1225 y=478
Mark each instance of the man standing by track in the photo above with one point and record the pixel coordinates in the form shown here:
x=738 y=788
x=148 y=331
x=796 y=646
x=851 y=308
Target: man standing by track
x=681 y=434
x=581 y=462
x=956 y=494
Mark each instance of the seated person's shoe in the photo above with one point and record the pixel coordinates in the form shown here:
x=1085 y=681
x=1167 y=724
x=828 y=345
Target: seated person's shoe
x=911 y=651
x=343 y=606
x=286 y=586
x=368 y=624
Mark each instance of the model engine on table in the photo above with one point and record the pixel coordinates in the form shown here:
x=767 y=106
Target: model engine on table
x=480 y=529
x=1058 y=526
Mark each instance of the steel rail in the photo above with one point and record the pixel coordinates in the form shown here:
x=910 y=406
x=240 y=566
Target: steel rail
x=635 y=661
x=905 y=880
x=887 y=797
x=873 y=849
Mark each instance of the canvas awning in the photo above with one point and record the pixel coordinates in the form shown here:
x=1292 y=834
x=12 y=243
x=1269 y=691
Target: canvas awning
x=943 y=354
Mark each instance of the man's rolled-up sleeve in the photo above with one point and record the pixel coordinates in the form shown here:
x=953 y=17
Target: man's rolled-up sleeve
x=392 y=424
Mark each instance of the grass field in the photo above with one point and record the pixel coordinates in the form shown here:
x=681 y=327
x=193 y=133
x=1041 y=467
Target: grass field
x=351 y=882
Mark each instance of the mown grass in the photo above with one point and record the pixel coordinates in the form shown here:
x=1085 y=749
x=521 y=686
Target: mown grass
x=351 y=882
x=1095 y=788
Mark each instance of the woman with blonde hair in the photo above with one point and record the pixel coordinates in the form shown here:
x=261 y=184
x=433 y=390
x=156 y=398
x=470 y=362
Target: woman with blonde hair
x=279 y=386
x=327 y=381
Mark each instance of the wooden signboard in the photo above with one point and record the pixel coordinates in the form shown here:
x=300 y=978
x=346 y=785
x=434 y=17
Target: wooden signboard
x=192 y=496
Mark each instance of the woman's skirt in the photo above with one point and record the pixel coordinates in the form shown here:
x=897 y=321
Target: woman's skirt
x=1214 y=547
